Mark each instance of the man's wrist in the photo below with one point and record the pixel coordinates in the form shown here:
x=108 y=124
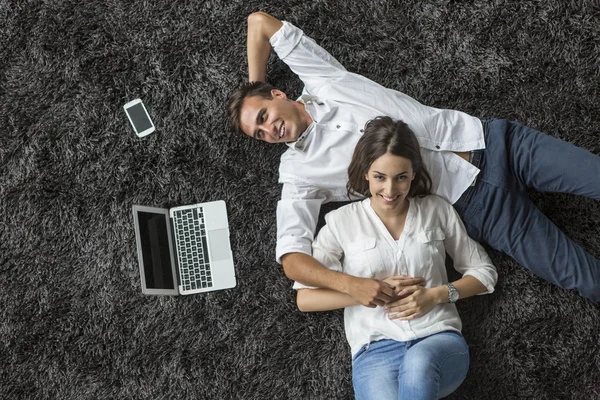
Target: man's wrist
x=345 y=283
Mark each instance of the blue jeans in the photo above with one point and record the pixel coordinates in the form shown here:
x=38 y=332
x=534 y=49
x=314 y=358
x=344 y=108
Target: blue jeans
x=428 y=368
x=501 y=214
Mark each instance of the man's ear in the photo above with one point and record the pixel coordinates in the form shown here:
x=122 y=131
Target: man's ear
x=278 y=93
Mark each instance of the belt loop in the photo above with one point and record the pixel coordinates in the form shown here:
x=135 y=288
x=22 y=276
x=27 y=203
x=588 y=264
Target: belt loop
x=484 y=123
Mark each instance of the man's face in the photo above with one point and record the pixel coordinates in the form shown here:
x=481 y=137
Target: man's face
x=278 y=120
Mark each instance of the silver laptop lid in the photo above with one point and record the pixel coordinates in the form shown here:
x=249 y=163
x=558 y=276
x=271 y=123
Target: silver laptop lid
x=155 y=250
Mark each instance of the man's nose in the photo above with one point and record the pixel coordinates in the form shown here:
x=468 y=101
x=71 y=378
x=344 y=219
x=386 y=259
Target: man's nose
x=270 y=129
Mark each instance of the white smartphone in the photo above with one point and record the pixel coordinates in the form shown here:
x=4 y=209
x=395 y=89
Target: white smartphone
x=139 y=118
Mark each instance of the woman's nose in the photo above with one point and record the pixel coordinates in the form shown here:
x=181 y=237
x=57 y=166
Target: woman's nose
x=389 y=186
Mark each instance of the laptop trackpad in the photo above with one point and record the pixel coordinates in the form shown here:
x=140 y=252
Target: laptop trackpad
x=219 y=245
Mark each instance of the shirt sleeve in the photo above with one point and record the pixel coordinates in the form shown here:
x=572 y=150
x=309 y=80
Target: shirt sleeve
x=309 y=61
x=469 y=257
x=297 y=216
x=327 y=249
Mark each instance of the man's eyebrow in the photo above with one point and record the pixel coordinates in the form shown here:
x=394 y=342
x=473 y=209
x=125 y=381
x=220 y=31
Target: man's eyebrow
x=259 y=118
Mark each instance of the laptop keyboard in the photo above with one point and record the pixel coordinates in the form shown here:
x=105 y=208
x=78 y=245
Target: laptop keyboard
x=192 y=249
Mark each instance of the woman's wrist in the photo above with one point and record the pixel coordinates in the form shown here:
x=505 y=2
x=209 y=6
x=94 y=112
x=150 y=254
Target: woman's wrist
x=441 y=294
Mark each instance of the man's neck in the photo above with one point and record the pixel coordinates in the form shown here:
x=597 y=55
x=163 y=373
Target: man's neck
x=305 y=115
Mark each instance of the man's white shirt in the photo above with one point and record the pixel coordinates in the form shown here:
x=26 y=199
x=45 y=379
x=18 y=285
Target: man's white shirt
x=355 y=241
x=314 y=168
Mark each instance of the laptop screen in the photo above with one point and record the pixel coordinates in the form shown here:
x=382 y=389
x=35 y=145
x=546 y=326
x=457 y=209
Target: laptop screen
x=155 y=250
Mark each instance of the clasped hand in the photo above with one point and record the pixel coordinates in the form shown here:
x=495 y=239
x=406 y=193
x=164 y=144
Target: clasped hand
x=404 y=297
x=412 y=299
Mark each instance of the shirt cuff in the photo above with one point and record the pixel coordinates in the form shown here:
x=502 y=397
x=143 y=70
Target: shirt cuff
x=285 y=39
x=298 y=286
x=487 y=281
x=290 y=244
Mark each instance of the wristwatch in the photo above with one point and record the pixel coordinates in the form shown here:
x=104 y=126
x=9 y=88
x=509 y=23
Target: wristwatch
x=452 y=293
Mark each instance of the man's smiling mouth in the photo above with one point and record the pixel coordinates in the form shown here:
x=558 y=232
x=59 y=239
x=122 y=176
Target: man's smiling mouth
x=282 y=130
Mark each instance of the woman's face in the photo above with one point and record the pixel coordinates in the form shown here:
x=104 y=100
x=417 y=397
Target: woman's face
x=390 y=178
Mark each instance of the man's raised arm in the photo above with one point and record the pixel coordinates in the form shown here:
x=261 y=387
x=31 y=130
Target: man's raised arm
x=261 y=27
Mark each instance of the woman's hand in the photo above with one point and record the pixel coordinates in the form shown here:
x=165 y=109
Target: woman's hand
x=414 y=301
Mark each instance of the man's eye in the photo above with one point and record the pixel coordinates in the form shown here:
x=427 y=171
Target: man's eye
x=264 y=118
x=259 y=135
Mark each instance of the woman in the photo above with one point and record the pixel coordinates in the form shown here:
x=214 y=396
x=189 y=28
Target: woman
x=412 y=348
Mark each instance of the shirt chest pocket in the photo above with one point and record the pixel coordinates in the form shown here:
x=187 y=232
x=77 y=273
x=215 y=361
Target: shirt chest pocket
x=363 y=258
x=431 y=247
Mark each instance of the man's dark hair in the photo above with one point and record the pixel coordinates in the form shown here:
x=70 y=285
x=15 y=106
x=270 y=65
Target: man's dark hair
x=384 y=135
x=236 y=100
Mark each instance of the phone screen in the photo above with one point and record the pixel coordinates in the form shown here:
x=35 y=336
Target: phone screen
x=139 y=118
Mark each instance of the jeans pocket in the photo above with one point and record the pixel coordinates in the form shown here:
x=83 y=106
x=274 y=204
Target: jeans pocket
x=473 y=220
x=360 y=352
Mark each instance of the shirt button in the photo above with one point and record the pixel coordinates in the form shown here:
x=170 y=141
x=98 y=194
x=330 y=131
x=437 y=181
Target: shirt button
x=437 y=147
x=338 y=127
x=362 y=130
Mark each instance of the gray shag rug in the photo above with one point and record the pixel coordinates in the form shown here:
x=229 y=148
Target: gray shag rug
x=74 y=322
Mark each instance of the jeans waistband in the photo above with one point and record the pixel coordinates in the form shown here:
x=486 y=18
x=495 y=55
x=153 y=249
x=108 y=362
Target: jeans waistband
x=475 y=158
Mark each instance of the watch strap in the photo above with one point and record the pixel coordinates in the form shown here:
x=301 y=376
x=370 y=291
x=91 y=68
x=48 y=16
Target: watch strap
x=452 y=293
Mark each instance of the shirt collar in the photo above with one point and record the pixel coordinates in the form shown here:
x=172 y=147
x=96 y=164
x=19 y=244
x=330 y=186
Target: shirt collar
x=309 y=99
x=302 y=142
x=310 y=102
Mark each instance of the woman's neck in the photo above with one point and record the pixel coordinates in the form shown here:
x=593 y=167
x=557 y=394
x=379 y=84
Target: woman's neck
x=393 y=219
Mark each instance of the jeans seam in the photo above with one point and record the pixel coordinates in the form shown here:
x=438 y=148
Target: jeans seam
x=453 y=354
x=478 y=204
x=444 y=360
x=458 y=352
x=504 y=188
x=363 y=350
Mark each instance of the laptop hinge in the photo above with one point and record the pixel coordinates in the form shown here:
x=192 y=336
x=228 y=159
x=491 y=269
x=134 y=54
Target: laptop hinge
x=176 y=252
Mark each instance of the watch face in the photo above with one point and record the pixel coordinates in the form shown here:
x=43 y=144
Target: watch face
x=452 y=293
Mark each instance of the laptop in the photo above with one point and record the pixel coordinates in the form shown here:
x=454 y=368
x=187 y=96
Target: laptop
x=184 y=250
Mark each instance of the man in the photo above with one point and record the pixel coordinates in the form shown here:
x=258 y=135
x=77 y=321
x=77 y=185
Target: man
x=483 y=168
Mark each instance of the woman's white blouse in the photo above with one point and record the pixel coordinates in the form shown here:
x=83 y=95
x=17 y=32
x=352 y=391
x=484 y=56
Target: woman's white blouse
x=355 y=241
